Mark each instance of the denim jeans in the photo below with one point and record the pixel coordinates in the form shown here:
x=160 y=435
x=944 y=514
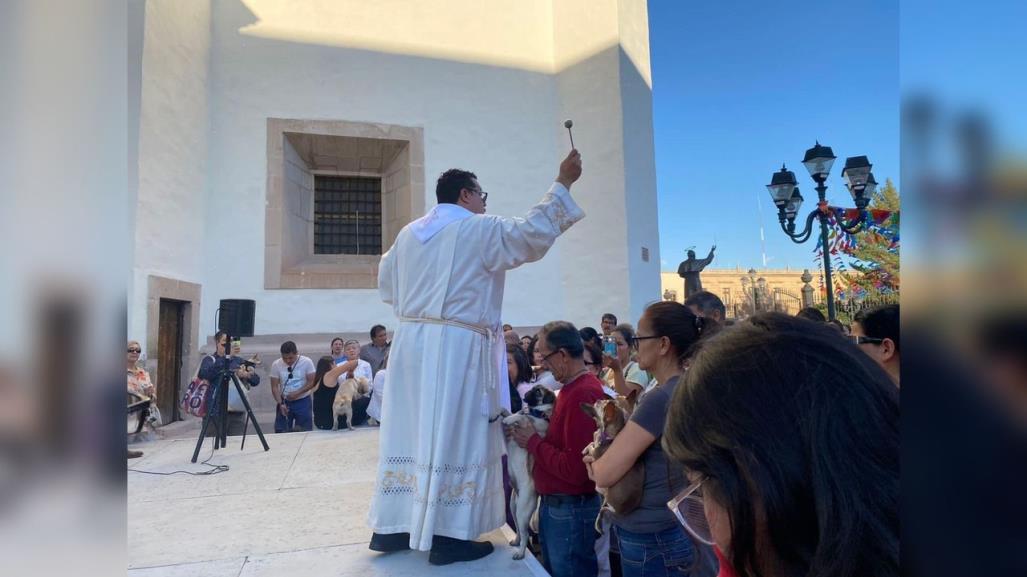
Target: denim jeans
x=667 y=552
x=300 y=414
x=567 y=535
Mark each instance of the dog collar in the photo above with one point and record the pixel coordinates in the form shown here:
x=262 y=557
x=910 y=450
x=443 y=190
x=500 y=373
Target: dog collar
x=538 y=414
x=603 y=437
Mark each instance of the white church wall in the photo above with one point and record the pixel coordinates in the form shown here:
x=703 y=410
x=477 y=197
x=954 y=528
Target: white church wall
x=641 y=217
x=489 y=84
x=172 y=151
x=608 y=97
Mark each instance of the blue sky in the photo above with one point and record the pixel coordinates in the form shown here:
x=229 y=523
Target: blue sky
x=739 y=88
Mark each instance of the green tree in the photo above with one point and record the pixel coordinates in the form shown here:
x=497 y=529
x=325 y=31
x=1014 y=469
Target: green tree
x=874 y=260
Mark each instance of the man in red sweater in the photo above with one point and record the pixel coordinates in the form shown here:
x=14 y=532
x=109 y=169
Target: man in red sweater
x=569 y=500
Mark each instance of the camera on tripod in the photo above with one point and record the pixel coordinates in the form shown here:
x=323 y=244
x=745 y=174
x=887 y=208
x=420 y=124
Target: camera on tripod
x=235 y=319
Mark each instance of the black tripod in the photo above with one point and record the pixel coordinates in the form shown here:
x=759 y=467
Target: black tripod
x=219 y=412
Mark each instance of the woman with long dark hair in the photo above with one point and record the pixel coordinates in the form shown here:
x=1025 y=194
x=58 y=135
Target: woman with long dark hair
x=327 y=379
x=520 y=374
x=789 y=436
x=651 y=541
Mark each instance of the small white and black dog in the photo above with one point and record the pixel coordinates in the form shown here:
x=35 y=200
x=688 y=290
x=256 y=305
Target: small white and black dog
x=538 y=407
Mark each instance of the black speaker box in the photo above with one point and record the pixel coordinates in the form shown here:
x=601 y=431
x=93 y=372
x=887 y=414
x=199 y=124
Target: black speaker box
x=236 y=317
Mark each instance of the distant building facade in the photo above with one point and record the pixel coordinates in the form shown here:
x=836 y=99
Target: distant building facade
x=780 y=290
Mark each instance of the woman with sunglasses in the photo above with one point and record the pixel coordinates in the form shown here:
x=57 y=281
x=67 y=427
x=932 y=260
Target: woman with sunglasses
x=651 y=541
x=789 y=435
x=139 y=382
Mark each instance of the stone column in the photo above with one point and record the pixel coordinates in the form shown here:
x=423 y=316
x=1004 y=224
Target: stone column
x=807 y=290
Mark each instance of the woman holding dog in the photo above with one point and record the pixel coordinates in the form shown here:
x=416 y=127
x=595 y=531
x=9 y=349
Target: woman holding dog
x=327 y=379
x=651 y=540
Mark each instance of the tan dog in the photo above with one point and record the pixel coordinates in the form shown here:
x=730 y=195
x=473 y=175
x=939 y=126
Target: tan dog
x=343 y=404
x=611 y=416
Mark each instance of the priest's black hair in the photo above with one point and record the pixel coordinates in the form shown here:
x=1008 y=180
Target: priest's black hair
x=447 y=189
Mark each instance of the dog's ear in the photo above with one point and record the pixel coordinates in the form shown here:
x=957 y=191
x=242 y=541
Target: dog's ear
x=632 y=400
x=609 y=413
x=589 y=410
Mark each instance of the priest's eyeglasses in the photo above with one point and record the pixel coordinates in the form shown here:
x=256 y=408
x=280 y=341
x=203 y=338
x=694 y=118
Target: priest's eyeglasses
x=866 y=340
x=690 y=512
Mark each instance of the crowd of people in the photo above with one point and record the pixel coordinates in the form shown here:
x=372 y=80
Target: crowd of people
x=770 y=445
x=725 y=417
x=304 y=392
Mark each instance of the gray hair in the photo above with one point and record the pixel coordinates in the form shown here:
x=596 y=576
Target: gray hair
x=563 y=335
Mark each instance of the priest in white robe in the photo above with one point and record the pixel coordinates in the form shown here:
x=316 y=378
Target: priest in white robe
x=439 y=483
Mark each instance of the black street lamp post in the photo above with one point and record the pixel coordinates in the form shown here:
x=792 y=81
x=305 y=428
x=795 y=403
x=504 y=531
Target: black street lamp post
x=784 y=190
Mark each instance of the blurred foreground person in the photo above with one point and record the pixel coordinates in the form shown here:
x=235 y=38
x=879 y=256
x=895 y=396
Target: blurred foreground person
x=789 y=437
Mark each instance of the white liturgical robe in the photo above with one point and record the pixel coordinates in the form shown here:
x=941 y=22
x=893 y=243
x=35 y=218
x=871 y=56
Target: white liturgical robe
x=439 y=465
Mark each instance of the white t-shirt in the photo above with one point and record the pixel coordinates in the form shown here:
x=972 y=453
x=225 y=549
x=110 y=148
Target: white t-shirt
x=363 y=370
x=300 y=369
x=378 y=391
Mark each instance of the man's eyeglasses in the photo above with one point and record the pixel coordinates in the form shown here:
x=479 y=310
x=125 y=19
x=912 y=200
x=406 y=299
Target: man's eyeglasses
x=484 y=195
x=634 y=340
x=689 y=510
x=546 y=357
x=135 y=350
x=866 y=340
x=290 y=373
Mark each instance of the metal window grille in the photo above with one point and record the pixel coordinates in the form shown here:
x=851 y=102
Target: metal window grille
x=347 y=215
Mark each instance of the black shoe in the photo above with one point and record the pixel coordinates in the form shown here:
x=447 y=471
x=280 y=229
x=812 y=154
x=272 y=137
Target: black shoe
x=389 y=542
x=446 y=550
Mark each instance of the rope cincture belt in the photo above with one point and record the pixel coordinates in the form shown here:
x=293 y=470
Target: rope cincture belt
x=488 y=343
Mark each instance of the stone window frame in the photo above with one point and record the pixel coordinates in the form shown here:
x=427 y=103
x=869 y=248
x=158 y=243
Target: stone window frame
x=403 y=201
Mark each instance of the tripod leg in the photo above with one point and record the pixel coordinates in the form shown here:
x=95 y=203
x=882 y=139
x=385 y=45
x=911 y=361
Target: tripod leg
x=250 y=416
x=223 y=412
x=199 y=441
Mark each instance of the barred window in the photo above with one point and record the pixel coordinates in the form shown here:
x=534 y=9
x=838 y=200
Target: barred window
x=347 y=215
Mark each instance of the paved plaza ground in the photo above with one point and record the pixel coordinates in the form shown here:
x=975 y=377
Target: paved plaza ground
x=298 y=509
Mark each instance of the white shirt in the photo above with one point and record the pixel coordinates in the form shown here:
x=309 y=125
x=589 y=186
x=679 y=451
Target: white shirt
x=363 y=370
x=300 y=369
x=374 y=408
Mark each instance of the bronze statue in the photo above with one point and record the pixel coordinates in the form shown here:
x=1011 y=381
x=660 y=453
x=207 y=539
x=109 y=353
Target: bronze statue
x=689 y=270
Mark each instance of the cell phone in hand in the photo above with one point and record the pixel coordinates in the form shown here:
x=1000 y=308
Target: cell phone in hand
x=609 y=347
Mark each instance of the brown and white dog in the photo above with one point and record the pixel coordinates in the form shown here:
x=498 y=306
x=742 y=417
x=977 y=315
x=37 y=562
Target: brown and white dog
x=538 y=407
x=343 y=404
x=611 y=415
